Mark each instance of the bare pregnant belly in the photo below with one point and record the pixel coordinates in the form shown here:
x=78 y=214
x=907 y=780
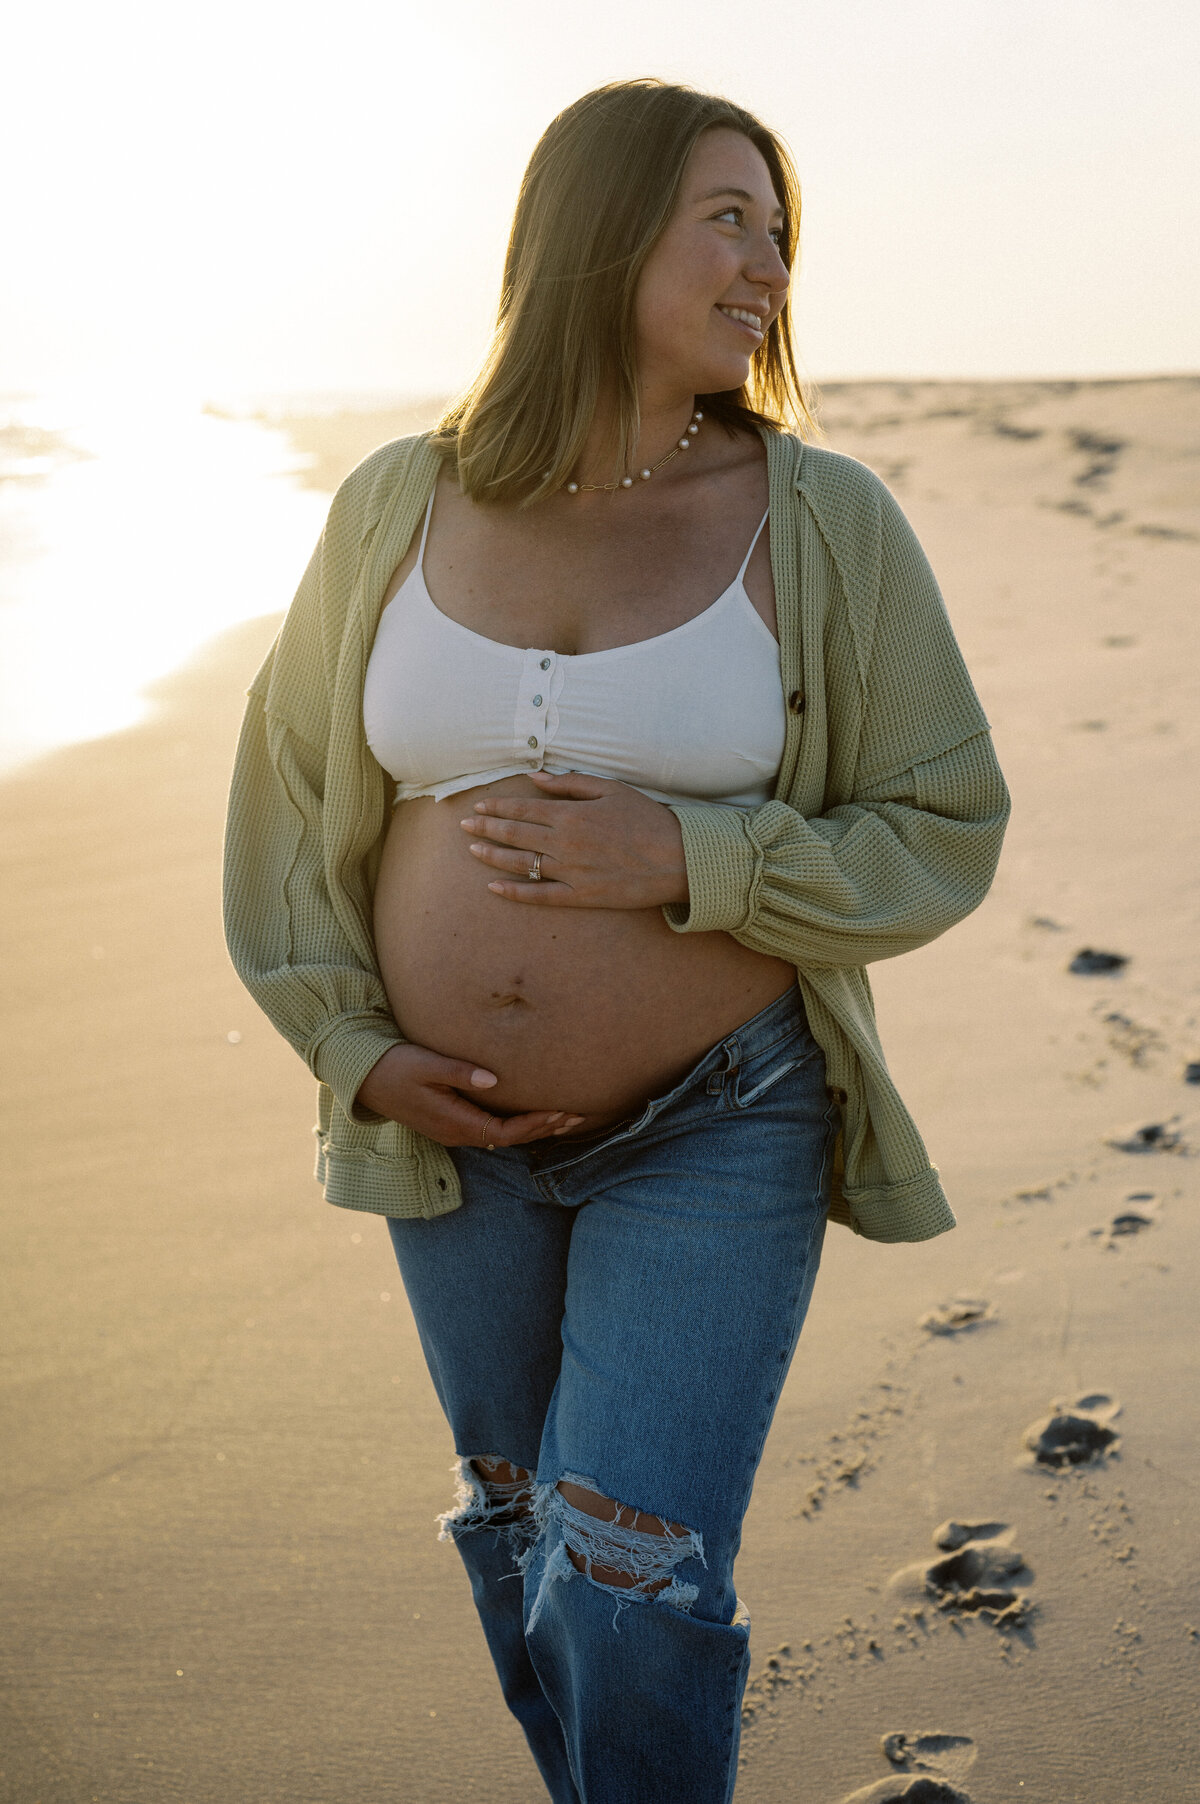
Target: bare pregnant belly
x=587 y=1010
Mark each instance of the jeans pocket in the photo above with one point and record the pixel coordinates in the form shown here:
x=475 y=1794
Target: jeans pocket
x=745 y=1097
x=759 y=1073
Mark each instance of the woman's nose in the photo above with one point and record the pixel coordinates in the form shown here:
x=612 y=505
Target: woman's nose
x=769 y=269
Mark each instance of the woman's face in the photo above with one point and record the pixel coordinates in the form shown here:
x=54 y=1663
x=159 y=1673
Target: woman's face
x=718 y=257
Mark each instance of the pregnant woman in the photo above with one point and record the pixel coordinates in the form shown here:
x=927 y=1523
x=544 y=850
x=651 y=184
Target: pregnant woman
x=612 y=732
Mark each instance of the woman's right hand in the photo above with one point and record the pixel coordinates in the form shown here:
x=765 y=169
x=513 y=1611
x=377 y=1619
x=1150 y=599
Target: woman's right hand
x=424 y=1091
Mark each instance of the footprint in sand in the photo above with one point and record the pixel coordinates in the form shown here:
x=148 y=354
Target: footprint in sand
x=977 y=1575
x=1151 y=1137
x=1101 y=454
x=1139 y=1213
x=1091 y=963
x=953 y=1535
x=957 y=1316
x=948 y=1756
x=1076 y=1433
x=920 y=1789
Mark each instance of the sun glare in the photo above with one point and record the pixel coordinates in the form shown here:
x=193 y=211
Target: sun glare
x=170 y=527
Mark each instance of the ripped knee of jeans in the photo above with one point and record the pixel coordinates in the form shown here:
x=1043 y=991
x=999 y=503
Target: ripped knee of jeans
x=648 y=1561
x=484 y=1501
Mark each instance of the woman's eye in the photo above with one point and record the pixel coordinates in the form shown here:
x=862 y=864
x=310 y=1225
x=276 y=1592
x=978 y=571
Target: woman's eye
x=738 y=215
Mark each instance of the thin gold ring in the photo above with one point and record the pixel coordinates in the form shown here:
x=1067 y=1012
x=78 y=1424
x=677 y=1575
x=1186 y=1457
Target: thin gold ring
x=535 y=869
x=488 y=1143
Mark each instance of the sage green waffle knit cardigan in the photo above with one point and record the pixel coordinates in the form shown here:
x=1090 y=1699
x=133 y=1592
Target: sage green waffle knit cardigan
x=884 y=829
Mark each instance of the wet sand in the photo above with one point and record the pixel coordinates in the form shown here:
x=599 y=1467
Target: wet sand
x=225 y=1457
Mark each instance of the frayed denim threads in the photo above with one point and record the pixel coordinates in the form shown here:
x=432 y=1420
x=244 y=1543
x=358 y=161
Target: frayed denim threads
x=645 y=1557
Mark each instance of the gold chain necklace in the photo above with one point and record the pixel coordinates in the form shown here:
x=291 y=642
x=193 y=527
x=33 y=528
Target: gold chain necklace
x=626 y=482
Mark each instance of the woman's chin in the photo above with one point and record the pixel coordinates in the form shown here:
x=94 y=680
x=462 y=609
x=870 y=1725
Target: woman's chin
x=724 y=377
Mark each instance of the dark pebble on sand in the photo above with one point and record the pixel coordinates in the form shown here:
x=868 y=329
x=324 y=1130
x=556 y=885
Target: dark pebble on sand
x=1090 y=963
x=1191 y=1072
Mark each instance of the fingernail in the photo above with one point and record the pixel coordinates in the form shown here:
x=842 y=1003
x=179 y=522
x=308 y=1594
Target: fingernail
x=498 y=887
x=475 y=845
x=556 y=1116
x=574 y=1120
x=483 y=1080
x=471 y=824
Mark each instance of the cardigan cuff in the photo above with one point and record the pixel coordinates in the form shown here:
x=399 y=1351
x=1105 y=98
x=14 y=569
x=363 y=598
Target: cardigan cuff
x=723 y=865
x=354 y=1044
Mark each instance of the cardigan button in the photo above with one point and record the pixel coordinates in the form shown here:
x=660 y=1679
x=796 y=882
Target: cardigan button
x=796 y=701
x=840 y=1097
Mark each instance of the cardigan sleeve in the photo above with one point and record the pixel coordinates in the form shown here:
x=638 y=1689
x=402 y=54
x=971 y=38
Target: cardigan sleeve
x=914 y=846
x=314 y=978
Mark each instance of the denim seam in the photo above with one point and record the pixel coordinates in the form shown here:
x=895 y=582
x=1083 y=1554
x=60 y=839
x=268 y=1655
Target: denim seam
x=788 y=1032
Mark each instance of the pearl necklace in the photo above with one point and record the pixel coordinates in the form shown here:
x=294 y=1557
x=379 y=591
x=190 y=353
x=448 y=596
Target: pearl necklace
x=626 y=482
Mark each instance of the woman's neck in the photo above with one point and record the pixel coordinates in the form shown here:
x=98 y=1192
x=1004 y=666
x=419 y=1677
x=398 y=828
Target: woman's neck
x=663 y=423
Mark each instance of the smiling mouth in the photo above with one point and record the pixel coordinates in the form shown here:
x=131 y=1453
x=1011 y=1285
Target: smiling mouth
x=742 y=316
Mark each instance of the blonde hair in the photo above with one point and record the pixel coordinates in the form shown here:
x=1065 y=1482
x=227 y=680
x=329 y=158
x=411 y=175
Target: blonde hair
x=599 y=191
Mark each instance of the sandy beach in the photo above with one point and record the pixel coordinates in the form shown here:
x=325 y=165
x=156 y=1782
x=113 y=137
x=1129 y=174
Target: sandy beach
x=972 y=1559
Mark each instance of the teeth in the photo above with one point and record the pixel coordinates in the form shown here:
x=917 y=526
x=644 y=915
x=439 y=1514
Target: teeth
x=742 y=313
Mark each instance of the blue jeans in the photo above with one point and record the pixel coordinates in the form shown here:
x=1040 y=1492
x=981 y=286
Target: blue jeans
x=620 y=1313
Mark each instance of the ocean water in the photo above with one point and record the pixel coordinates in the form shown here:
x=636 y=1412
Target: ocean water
x=133 y=528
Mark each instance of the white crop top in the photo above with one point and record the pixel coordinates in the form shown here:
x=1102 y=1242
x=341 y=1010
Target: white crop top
x=694 y=714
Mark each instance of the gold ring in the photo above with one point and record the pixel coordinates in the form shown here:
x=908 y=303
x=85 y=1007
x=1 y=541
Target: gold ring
x=488 y=1143
x=535 y=869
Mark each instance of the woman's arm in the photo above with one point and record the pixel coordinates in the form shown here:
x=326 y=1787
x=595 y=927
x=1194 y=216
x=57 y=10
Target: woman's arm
x=285 y=938
x=910 y=856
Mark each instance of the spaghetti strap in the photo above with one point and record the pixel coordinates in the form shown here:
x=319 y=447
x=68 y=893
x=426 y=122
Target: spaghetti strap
x=425 y=530
x=741 y=575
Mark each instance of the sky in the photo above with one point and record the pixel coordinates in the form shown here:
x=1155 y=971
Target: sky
x=252 y=198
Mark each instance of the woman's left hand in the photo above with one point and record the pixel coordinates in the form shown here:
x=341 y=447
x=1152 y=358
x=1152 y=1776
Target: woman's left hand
x=603 y=845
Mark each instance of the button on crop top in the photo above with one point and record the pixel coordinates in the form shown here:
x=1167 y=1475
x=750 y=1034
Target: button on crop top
x=694 y=714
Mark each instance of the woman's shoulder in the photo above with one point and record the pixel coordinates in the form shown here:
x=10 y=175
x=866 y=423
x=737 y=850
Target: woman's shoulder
x=853 y=506
x=362 y=496
x=835 y=479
